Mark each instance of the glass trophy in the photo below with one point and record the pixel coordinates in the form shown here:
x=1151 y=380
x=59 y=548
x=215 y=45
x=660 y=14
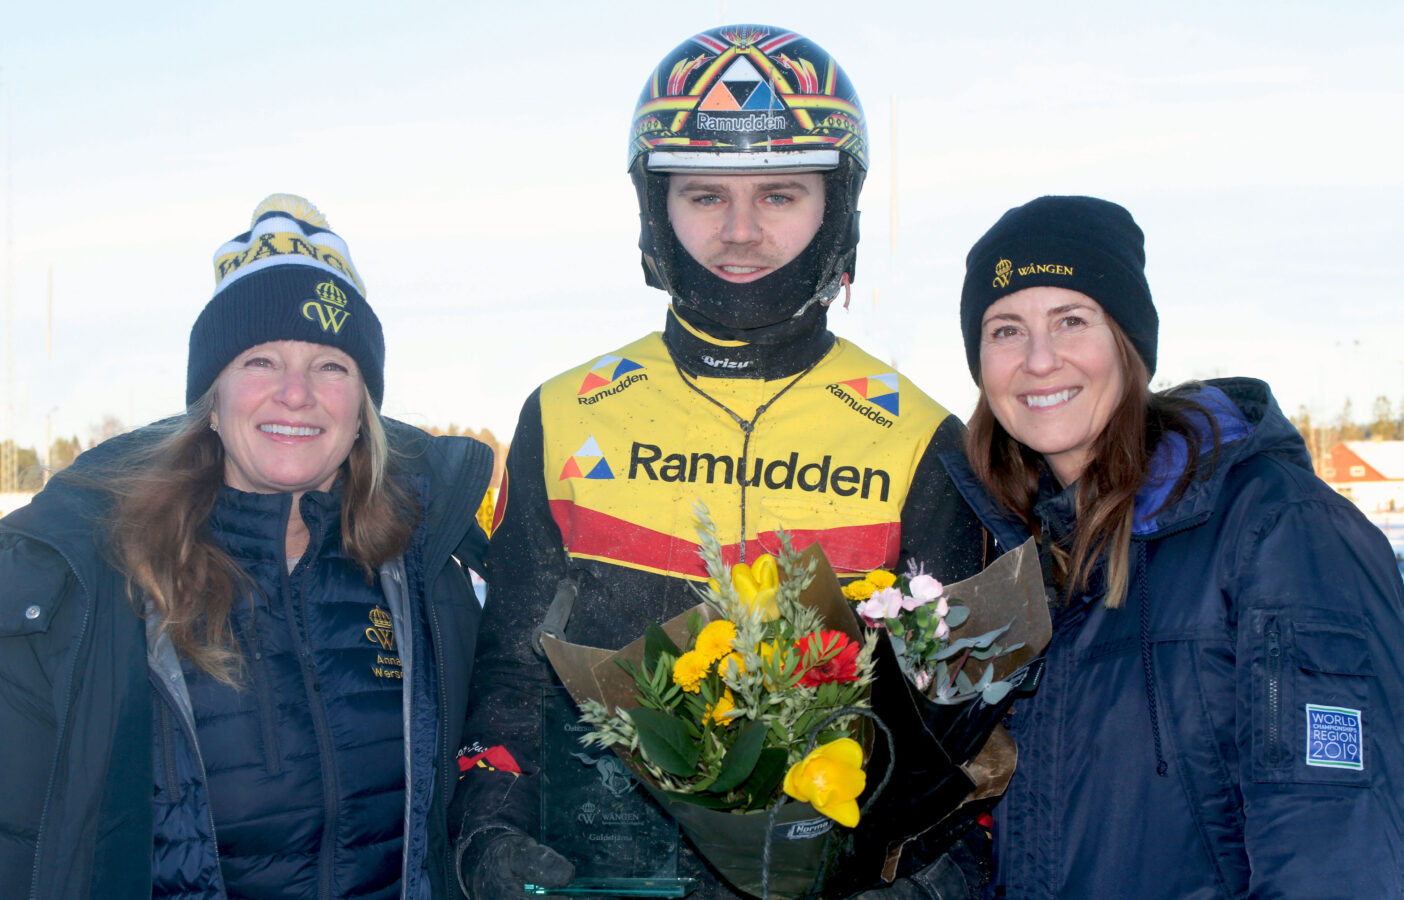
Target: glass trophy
x=595 y=813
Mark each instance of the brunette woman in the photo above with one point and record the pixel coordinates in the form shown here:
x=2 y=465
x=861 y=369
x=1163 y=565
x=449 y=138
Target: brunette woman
x=1223 y=699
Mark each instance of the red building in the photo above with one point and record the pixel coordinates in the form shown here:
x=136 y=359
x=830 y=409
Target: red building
x=1369 y=473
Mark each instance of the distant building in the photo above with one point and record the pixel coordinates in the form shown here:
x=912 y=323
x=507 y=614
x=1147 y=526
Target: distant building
x=1368 y=473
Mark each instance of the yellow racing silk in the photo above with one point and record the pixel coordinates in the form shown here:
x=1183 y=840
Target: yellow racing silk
x=629 y=447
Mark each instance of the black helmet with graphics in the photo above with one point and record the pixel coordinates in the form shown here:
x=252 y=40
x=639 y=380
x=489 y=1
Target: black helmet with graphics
x=743 y=99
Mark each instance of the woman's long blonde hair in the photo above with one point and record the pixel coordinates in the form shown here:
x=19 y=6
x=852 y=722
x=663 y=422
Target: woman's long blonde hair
x=1106 y=491
x=160 y=536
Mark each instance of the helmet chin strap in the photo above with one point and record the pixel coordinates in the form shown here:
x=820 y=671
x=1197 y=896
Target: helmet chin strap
x=827 y=296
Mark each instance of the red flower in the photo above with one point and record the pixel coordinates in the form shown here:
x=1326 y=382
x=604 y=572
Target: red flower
x=831 y=655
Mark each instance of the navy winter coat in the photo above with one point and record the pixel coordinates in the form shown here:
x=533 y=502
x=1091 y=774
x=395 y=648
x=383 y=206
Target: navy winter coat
x=76 y=677
x=1234 y=730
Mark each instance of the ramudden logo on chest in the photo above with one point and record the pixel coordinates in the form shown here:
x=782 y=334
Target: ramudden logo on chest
x=871 y=397
x=609 y=376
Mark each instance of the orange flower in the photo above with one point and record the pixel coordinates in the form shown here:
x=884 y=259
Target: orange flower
x=717 y=712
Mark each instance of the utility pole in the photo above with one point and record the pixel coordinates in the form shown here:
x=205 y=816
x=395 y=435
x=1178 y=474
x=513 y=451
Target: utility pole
x=892 y=225
x=9 y=461
x=48 y=451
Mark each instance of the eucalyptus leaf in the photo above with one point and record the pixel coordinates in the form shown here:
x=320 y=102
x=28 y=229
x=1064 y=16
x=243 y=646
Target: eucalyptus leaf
x=994 y=693
x=979 y=642
x=957 y=616
x=665 y=742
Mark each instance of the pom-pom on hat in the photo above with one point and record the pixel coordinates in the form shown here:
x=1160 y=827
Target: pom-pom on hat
x=1083 y=244
x=288 y=278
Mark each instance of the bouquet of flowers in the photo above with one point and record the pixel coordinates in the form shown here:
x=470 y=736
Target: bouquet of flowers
x=715 y=711
x=949 y=663
x=919 y=617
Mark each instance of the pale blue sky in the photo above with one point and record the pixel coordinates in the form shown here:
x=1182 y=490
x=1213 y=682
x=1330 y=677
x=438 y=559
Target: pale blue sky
x=472 y=157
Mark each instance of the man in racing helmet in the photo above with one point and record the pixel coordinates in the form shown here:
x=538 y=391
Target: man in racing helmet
x=747 y=151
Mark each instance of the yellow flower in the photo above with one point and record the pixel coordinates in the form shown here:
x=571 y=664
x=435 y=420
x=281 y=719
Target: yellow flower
x=881 y=578
x=717 y=713
x=735 y=658
x=715 y=640
x=859 y=590
x=830 y=779
x=689 y=671
x=755 y=585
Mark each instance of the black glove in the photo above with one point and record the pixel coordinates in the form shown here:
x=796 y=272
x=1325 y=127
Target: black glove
x=942 y=880
x=959 y=874
x=495 y=864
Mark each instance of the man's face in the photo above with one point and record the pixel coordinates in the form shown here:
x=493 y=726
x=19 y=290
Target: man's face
x=743 y=227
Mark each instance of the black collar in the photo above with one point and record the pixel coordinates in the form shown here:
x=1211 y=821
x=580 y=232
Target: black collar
x=702 y=356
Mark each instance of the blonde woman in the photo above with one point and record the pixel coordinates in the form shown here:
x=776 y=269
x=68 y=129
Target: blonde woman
x=234 y=646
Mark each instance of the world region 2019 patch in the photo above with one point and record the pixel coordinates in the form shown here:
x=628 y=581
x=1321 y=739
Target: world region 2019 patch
x=1335 y=737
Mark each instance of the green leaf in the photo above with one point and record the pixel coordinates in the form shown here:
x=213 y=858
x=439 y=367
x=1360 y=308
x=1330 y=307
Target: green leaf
x=664 y=741
x=740 y=760
x=765 y=778
x=656 y=641
x=957 y=616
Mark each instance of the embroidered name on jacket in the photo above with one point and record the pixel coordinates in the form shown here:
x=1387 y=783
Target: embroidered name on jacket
x=381 y=633
x=830 y=460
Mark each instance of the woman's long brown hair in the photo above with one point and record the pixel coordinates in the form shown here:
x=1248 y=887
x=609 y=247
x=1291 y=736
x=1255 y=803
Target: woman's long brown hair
x=1106 y=490
x=160 y=537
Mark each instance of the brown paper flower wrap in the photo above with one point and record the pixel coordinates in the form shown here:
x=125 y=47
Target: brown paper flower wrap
x=953 y=759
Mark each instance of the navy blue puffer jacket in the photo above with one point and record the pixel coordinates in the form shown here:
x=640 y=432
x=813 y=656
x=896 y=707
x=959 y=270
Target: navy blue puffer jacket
x=303 y=763
x=81 y=719
x=1233 y=730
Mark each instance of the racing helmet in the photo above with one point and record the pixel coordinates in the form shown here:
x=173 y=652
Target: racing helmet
x=745 y=99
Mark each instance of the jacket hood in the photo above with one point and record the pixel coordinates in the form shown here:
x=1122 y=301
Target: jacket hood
x=1249 y=423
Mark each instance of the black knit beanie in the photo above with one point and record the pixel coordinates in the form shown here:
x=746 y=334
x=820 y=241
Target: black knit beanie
x=288 y=278
x=1080 y=243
